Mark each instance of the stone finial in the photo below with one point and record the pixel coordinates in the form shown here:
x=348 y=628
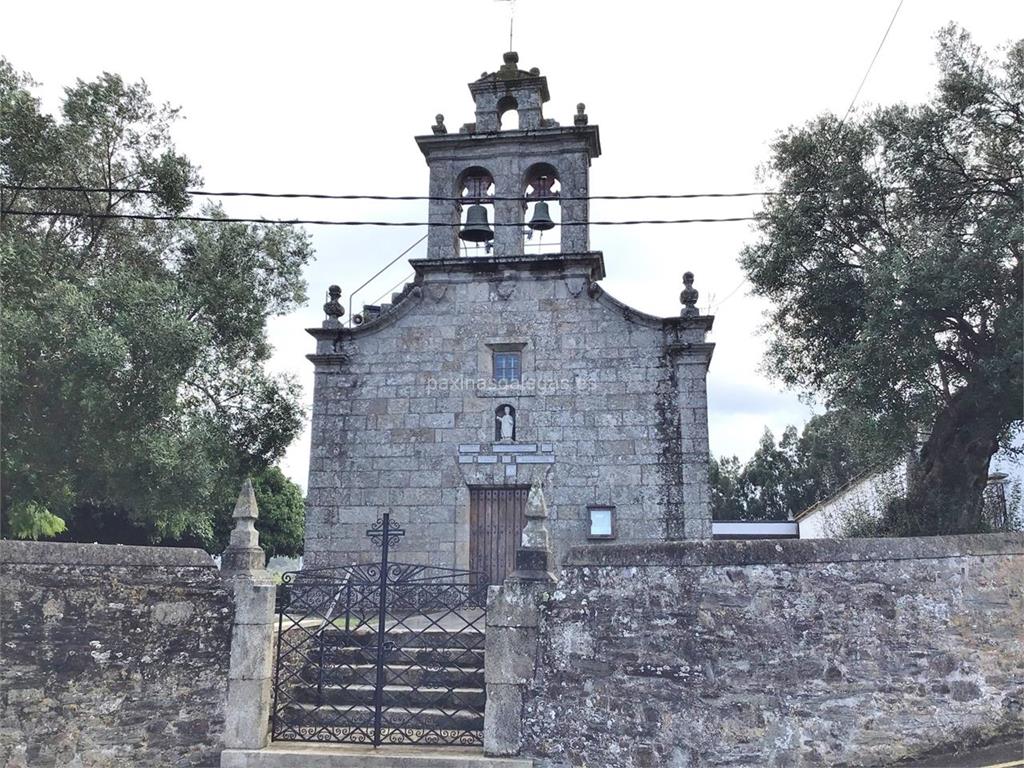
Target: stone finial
x=245 y=506
x=243 y=554
x=438 y=127
x=534 y=558
x=581 y=115
x=535 y=532
x=688 y=298
x=333 y=308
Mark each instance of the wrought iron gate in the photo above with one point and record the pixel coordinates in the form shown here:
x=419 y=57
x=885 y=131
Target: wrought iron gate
x=380 y=653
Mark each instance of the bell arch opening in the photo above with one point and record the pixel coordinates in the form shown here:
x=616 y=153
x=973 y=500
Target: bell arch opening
x=543 y=210
x=475 y=190
x=506 y=105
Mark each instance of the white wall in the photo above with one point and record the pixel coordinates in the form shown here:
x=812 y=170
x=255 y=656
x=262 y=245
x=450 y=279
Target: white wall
x=866 y=495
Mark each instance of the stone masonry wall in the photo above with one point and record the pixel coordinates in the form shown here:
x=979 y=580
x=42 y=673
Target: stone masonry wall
x=612 y=409
x=791 y=653
x=111 y=656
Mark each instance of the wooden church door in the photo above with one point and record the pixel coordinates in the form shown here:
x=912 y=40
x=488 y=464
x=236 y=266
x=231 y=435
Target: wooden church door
x=496 y=520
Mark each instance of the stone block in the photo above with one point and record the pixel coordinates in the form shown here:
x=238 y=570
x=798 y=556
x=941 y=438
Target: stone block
x=247 y=715
x=533 y=563
x=254 y=601
x=252 y=652
x=514 y=447
x=510 y=655
x=242 y=560
x=530 y=459
x=514 y=604
x=503 y=720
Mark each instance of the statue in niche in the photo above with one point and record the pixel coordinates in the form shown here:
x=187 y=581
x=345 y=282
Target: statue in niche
x=505 y=424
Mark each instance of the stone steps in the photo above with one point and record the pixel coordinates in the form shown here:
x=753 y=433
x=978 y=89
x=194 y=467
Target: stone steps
x=403 y=638
x=469 y=658
x=352 y=756
x=433 y=682
x=361 y=716
x=466 y=676
x=393 y=696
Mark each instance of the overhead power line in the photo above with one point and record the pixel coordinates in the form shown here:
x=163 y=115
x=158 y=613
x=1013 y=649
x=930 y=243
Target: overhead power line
x=839 y=128
x=319 y=196
x=867 y=72
x=342 y=223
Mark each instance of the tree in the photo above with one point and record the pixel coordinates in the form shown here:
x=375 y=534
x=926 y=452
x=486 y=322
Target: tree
x=894 y=260
x=835 y=447
x=769 y=477
x=727 y=499
x=805 y=467
x=282 y=515
x=134 y=392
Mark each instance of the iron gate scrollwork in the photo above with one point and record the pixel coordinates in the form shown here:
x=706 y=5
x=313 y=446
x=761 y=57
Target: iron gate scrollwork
x=380 y=653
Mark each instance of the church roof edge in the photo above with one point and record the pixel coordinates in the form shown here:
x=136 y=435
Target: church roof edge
x=589 y=133
x=533 y=262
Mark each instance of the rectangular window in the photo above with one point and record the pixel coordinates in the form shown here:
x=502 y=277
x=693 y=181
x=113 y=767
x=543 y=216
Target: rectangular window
x=602 y=522
x=508 y=367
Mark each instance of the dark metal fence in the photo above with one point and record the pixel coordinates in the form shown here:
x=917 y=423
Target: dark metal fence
x=380 y=653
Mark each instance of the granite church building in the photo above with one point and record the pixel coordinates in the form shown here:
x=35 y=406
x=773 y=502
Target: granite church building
x=504 y=361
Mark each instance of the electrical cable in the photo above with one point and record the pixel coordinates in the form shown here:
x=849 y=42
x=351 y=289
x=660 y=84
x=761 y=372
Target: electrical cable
x=867 y=72
x=381 y=271
x=319 y=196
x=341 y=223
x=839 y=128
x=391 y=290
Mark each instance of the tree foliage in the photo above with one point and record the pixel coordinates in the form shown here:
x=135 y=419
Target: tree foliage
x=894 y=260
x=282 y=514
x=783 y=479
x=134 y=391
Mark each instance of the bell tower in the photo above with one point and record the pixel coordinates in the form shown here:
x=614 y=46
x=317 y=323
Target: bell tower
x=490 y=172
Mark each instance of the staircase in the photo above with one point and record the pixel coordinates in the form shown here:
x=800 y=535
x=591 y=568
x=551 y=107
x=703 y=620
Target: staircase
x=351 y=756
x=433 y=681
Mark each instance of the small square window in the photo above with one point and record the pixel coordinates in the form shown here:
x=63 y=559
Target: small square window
x=602 y=522
x=508 y=367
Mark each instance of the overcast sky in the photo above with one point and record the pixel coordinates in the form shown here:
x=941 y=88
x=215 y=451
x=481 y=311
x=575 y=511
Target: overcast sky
x=326 y=97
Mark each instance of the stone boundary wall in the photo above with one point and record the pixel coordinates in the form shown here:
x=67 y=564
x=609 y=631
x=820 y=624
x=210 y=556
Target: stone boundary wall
x=788 y=653
x=111 y=655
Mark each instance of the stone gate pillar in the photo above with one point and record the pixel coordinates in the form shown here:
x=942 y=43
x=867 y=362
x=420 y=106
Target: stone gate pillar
x=513 y=624
x=247 y=717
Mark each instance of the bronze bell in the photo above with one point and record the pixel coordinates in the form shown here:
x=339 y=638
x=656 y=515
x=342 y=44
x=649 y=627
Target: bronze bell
x=541 y=220
x=476 y=229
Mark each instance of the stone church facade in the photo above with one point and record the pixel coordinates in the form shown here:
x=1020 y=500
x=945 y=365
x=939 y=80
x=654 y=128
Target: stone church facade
x=499 y=366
